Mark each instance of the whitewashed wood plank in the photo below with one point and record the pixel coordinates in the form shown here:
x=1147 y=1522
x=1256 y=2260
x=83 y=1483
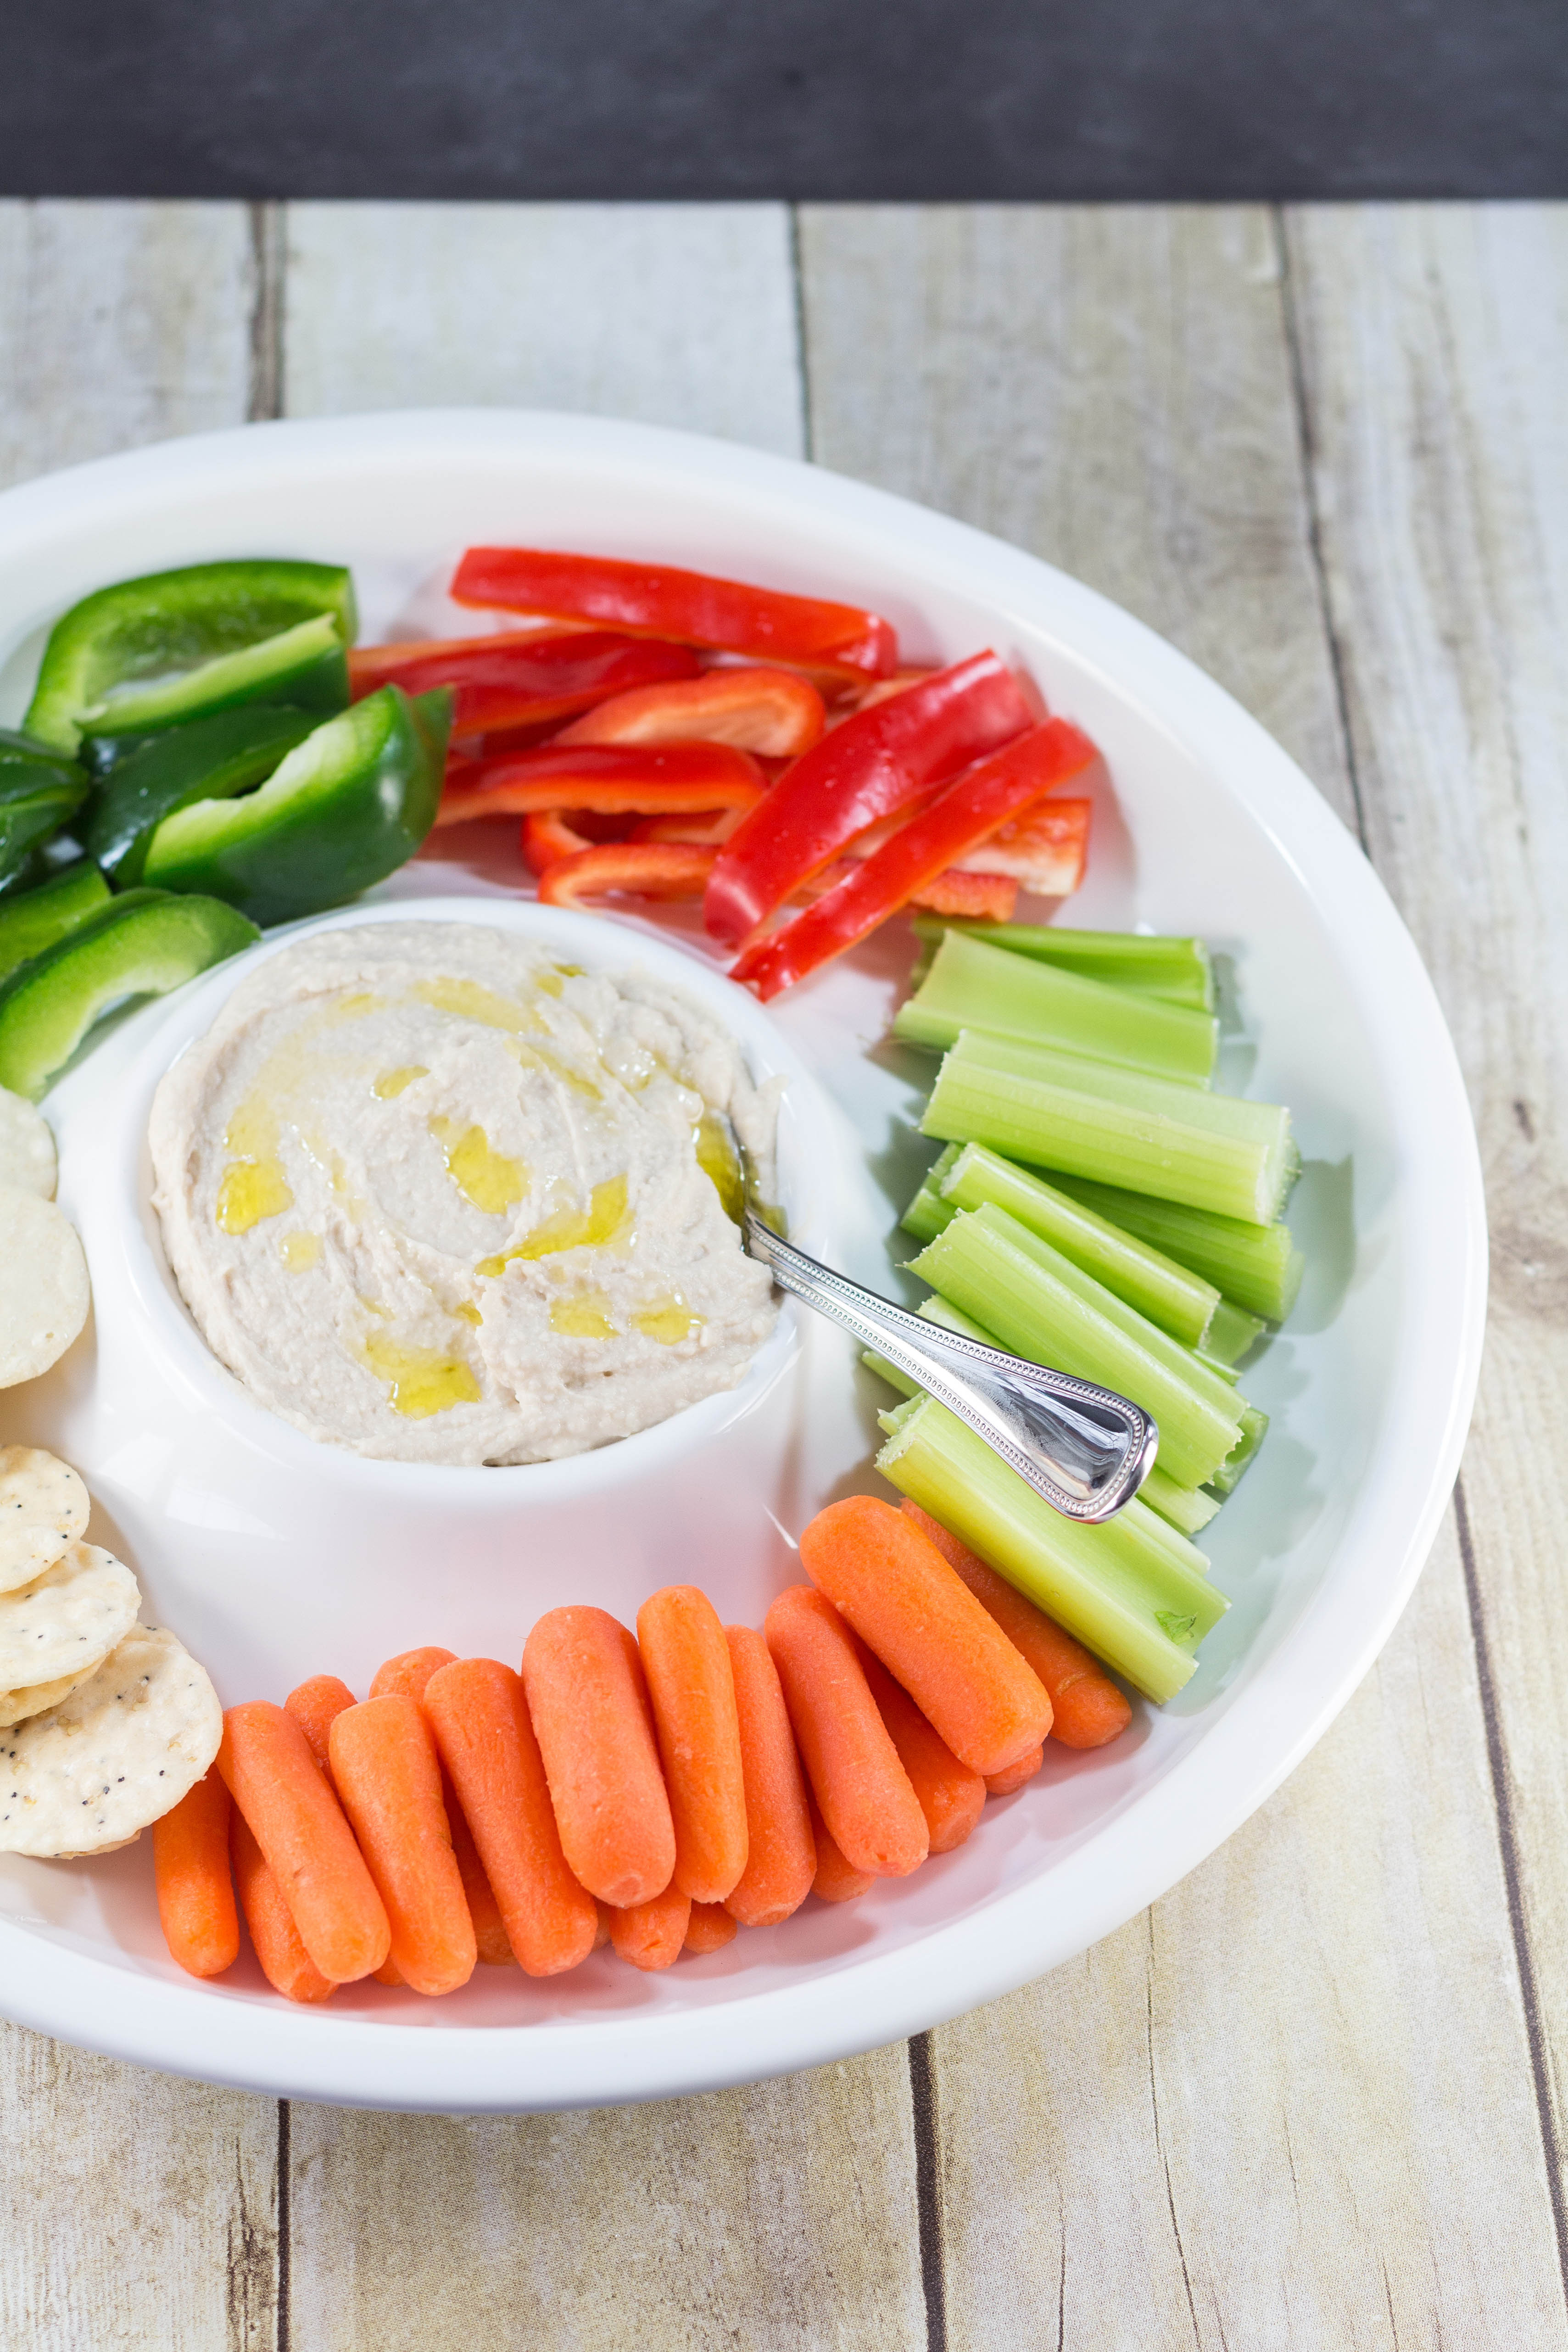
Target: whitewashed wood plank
x=133 y=2208
x=768 y=2218
x=121 y=323
x=1115 y=390
x=1434 y=356
x=675 y=314
x=1108 y=386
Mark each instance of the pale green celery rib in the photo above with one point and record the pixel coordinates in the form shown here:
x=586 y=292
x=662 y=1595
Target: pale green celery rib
x=1254 y=1428
x=927 y=1212
x=995 y=1270
x=1178 y=970
x=1257 y=1267
x=1188 y=1509
x=1065 y=1112
x=1111 y=1586
x=1180 y=1302
x=1230 y=1335
x=972 y=985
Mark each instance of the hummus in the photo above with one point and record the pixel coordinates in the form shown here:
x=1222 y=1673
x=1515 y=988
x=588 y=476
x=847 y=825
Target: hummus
x=436 y=1197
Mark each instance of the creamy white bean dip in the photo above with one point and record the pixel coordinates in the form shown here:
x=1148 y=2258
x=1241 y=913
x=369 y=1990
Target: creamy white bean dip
x=435 y=1196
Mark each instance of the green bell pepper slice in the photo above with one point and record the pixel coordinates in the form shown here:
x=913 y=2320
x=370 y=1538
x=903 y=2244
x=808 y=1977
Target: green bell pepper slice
x=146 y=943
x=346 y=808
x=211 y=760
x=35 y=919
x=40 y=790
x=151 y=653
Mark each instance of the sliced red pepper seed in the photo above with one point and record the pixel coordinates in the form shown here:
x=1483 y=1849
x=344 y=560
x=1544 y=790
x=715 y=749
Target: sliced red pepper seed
x=694 y=608
x=645 y=869
x=770 y=711
x=522 y=679
x=615 y=779
x=972 y=807
x=877 y=763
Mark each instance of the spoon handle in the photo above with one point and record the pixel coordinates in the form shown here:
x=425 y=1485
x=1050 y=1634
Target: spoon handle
x=1084 y=1450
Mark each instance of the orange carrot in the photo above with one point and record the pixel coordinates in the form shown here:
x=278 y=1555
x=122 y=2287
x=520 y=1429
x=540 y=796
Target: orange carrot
x=601 y=1932
x=309 y=1848
x=589 y=1708
x=651 y=1935
x=692 y=1687
x=195 y=1885
x=284 y=1962
x=835 y=1880
x=410 y=1672
x=1089 y=1707
x=1002 y=1784
x=389 y=1778
x=929 y=1630
x=313 y=1707
x=780 y=1861
x=860 y=1787
x=709 y=1928
x=480 y=1717
x=951 y=1797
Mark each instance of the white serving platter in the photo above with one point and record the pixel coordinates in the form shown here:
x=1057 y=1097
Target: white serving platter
x=275 y=1558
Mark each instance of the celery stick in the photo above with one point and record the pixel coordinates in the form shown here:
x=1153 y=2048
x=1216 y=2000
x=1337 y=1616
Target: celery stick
x=1232 y=1332
x=1257 y=1267
x=889 y=1373
x=1179 y=1302
x=1041 y=1306
x=971 y=985
x=927 y=1212
x=1117 y=1587
x=1065 y=1112
x=1254 y=1428
x=1178 y=970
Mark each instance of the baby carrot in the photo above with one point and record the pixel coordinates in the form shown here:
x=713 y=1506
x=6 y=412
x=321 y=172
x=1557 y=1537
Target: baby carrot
x=930 y=1632
x=709 y=1928
x=590 y=1708
x=284 y=1962
x=835 y=1881
x=480 y=1717
x=951 y=1797
x=1090 y=1708
x=1002 y=1784
x=860 y=1787
x=195 y=1885
x=313 y=1707
x=410 y=1672
x=388 y=1776
x=690 y=1682
x=651 y=1935
x=309 y=1848
x=780 y=1861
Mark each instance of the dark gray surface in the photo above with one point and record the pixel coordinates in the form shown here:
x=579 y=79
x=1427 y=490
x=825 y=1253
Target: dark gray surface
x=861 y=99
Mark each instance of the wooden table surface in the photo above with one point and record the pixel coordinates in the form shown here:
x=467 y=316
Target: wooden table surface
x=1315 y=2096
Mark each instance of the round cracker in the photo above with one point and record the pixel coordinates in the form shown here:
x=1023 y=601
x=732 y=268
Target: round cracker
x=113 y=1756
x=44 y=1289
x=67 y=1620
x=26 y=1147
x=16 y=1705
x=44 y=1511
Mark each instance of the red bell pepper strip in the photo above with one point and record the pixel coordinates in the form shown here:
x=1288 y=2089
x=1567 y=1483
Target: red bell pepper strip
x=876 y=763
x=973 y=898
x=772 y=711
x=645 y=870
x=548 y=838
x=521 y=680
x=615 y=779
x=656 y=599
x=985 y=796
x=1045 y=849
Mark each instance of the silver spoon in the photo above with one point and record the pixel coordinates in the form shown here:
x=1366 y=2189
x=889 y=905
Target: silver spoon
x=1084 y=1450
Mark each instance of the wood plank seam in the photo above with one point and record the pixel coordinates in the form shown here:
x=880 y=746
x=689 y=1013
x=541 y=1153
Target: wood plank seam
x=1508 y=1847
x=267 y=265
x=929 y=2189
x=1307 y=454
x=802 y=344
